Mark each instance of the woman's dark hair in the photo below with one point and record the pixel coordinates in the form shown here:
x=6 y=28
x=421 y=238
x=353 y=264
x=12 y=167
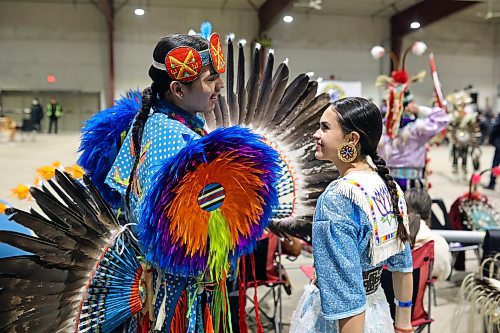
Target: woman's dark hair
x=160 y=85
x=419 y=201
x=414 y=224
x=356 y=114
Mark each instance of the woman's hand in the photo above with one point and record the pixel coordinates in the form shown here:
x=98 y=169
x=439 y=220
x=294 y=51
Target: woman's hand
x=404 y=329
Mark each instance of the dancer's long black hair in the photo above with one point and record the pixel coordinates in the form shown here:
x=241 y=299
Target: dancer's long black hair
x=356 y=114
x=158 y=89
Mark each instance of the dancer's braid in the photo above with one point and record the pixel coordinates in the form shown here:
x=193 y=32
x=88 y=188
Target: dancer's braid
x=383 y=171
x=148 y=99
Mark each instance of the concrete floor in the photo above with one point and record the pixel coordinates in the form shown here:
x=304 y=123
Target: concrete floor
x=19 y=160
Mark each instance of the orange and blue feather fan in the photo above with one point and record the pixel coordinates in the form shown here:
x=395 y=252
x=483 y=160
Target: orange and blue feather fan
x=212 y=203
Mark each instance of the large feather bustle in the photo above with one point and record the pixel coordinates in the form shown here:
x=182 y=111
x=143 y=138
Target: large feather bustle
x=44 y=291
x=287 y=116
x=101 y=140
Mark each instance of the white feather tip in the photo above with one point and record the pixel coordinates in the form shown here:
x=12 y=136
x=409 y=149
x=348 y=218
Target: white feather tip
x=192 y=32
x=230 y=37
x=271 y=51
x=242 y=42
x=258 y=46
x=286 y=61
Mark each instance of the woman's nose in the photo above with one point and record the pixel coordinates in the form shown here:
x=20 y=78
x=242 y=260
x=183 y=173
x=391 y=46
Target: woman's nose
x=316 y=135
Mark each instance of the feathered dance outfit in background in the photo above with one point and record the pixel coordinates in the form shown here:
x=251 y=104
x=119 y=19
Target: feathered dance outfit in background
x=403 y=144
x=473 y=210
x=464 y=131
x=199 y=201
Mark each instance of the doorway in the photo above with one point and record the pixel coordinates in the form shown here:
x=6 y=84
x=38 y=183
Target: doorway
x=77 y=106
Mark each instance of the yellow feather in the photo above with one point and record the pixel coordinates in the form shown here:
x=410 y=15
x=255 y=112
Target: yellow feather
x=21 y=192
x=2 y=208
x=47 y=172
x=75 y=171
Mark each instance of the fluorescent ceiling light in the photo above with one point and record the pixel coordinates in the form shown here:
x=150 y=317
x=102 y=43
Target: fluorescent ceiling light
x=139 y=11
x=415 y=25
x=287 y=19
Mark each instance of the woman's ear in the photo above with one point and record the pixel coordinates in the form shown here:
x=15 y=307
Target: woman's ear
x=176 y=89
x=353 y=138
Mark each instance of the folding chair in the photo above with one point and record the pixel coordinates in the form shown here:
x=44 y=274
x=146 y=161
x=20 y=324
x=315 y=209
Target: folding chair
x=268 y=255
x=423 y=259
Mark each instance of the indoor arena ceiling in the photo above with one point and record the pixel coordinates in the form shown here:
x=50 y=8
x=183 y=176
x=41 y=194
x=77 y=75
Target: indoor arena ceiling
x=484 y=10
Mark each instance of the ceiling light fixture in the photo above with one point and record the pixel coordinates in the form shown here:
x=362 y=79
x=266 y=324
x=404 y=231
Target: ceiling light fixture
x=415 y=25
x=139 y=11
x=287 y=19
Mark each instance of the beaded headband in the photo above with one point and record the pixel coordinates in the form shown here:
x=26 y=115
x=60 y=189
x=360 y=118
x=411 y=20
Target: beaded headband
x=184 y=63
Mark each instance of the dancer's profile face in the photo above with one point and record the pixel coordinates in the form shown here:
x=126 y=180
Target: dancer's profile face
x=202 y=94
x=329 y=137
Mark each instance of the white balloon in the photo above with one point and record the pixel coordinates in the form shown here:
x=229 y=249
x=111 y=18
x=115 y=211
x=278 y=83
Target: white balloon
x=377 y=52
x=418 y=48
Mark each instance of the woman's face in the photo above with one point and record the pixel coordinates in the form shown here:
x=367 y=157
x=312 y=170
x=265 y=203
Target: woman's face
x=329 y=137
x=201 y=95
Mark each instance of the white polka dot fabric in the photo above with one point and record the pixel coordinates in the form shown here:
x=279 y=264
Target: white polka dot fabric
x=162 y=139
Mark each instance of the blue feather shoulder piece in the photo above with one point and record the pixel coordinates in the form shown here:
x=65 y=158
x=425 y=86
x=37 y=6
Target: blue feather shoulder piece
x=101 y=139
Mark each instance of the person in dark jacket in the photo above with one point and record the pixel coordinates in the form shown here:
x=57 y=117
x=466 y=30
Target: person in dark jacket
x=36 y=115
x=495 y=141
x=54 y=112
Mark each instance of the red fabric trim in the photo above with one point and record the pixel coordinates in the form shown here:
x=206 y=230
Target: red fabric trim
x=255 y=298
x=208 y=320
x=242 y=296
x=135 y=302
x=178 y=323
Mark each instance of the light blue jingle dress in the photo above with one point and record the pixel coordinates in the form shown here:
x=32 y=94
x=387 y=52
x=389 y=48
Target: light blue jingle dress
x=354 y=236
